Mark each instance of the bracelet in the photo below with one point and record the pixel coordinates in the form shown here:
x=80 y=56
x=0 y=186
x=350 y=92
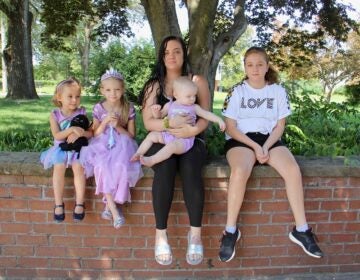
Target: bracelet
x=166 y=122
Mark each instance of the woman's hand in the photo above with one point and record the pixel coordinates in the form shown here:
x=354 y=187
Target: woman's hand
x=184 y=131
x=180 y=120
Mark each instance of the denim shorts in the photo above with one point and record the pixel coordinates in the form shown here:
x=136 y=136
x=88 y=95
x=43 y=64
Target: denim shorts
x=256 y=137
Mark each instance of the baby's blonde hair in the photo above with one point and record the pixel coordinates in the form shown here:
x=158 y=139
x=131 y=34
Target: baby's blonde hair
x=60 y=86
x=184 y=84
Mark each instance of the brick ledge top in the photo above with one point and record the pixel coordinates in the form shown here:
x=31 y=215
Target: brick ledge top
x=27 y=163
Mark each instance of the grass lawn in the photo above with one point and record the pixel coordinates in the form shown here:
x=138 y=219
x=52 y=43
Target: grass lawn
x=34 y=114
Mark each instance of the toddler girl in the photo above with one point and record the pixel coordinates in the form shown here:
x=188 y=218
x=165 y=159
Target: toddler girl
x=108 y=155
x=67 y=99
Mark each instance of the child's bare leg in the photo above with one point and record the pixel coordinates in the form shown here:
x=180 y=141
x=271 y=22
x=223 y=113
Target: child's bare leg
x=79 y=183
x=174 y=147
x=151 y=138
x=112 y=206
x=284 y=163
x=58 y=184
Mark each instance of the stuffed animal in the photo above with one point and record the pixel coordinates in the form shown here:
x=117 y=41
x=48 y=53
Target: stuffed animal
x=79 y=121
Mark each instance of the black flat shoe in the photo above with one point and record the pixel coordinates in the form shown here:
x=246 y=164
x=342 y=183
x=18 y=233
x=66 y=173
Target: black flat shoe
x=79 y=216
x=59 y=217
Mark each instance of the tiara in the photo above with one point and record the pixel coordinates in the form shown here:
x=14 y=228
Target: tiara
x=112 y=73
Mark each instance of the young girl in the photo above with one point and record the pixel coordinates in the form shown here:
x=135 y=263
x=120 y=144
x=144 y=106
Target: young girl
x=108 y=155
x=184 y=91
x=255 y=112
x=67 y=99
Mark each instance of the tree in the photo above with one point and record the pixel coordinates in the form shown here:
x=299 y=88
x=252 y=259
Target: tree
x=18 y=51
x=84 y=22
x=215 y=26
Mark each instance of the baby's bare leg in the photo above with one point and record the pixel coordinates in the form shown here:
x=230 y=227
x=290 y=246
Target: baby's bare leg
x=151 y=138
x=175 y=147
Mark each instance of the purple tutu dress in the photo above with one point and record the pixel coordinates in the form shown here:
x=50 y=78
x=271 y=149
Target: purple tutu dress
x=107 y=157
x=55 y=155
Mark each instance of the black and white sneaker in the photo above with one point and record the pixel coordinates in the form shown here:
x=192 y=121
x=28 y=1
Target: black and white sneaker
x=306 y=240
x=227 y=247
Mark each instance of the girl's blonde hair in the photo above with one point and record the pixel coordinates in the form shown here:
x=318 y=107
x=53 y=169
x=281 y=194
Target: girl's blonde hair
x=60 y=86
x=124 y=103
x=271 y=76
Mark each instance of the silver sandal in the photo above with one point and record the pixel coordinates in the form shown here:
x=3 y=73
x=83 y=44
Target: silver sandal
x=163 y=249
x=194 y=249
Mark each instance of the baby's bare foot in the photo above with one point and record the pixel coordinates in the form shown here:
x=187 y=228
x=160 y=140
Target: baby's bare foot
x=147 y=161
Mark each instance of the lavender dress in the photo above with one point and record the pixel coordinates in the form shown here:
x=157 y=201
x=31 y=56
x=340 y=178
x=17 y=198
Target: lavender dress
x=108 y=159
x=55 y=155
x=178 y=109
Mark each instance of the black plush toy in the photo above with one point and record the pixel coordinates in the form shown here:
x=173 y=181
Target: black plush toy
x=79 y=121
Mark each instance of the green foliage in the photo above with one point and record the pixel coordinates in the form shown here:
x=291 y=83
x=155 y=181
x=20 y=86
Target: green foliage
x=25 y=140
x=135 y=65
x=214 y=140
x=319 y=128
x=352 y=92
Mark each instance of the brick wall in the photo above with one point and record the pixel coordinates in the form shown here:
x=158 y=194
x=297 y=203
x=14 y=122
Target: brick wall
x=33 y=246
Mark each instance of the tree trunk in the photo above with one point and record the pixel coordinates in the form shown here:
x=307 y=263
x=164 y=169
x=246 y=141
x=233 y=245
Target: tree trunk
x=84 y=51
x=162 y=18
x=205 y=52
x=3 y=44
x=18 y=52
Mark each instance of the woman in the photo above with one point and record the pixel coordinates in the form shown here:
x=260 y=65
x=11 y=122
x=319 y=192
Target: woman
x=172 y=63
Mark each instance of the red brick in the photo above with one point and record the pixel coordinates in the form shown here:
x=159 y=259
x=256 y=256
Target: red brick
x=354 y=204
x=12 y=179
x=318 y=194
x=347 y=193
x=18 y=250
x=97 y=264
x=257 y=241
x=50 y=251
x=7 y=262
x=255 y=262
x=69 y=263
x=354 y=181
x=31 y=262
x=355 y=227
x=275 y=206
x=335 y=205
x=32 y=240
x=26 y=192
x=6 y=216
x=272 y=229
x=133 y=242
x=272 y=182
x=30 y=217
x=341 y=238
x=21 y=272
x=100 y=242
x=7 y=239
x=256 y=195
x=13 y=203
x=37 y=180
x=80 y=229
x=15 y=228
x=115 y=253
x=52 y=273
x=49 y=228
x=66 y=240
x=344 y=216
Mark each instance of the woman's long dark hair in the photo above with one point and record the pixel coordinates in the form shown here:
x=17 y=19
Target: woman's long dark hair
x=159 y=72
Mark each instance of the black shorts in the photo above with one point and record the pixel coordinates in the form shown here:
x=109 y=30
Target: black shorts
x=256 y=137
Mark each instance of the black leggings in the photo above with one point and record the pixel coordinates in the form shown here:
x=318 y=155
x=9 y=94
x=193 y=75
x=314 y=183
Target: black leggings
x=190 y=167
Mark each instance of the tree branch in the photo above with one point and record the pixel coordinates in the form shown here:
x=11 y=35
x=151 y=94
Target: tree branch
x=227 y=39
